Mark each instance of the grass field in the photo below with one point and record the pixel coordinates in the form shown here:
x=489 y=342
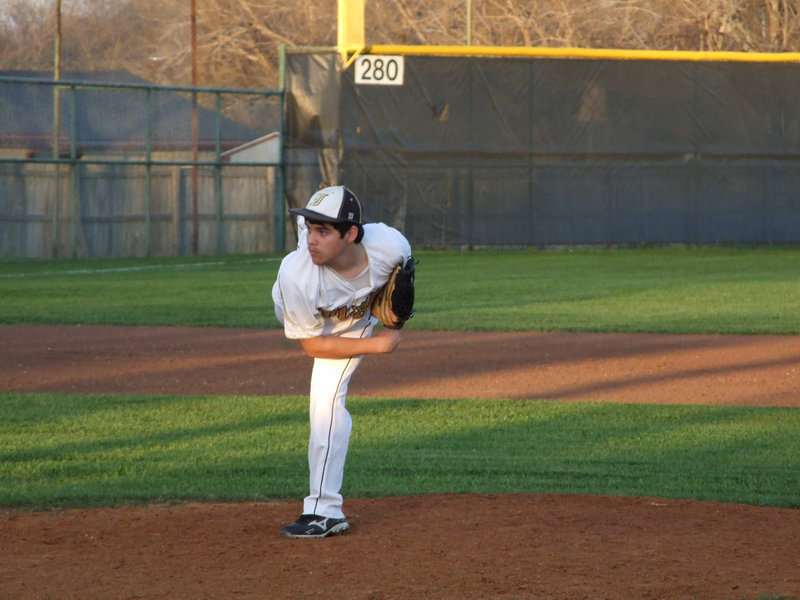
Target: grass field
x=656 y=290
x=68 y=450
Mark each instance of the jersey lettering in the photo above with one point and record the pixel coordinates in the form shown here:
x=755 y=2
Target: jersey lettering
x=347 y=312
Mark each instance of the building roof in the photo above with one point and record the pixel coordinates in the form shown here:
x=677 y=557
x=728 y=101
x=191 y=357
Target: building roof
x=108 y=119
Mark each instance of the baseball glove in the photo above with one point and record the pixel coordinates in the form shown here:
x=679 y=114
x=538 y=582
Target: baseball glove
x=393 y=305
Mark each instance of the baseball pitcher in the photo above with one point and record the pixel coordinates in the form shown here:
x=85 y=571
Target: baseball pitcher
x=342 y=280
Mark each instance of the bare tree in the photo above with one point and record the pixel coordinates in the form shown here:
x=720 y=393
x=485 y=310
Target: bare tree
x=26 y=37
x=239 y=40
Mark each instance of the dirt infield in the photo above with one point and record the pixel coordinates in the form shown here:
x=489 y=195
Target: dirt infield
x=453 y=546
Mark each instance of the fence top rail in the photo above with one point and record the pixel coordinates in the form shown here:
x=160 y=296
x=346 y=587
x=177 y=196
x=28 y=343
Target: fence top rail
x=556 y=52
x=567 y=52
x=77 y=83
x=136 y=162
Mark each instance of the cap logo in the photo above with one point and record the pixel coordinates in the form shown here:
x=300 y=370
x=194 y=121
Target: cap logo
x=317 y=199
x=350 y=216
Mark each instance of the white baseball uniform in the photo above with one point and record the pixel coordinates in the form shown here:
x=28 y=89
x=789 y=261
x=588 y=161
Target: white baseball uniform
x=310 y=301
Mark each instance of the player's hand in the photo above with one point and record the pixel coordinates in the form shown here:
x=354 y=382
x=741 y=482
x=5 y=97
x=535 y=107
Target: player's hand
x=388 y=339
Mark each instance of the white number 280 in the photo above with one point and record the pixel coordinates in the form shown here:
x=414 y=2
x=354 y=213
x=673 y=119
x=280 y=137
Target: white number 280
x=379 y=70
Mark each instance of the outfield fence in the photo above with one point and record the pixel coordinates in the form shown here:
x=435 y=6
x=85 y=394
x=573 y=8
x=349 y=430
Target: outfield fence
x=475 y=148
x=470 y=147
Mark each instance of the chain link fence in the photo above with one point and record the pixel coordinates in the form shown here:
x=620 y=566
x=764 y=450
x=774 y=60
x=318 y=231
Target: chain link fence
x=128 y=168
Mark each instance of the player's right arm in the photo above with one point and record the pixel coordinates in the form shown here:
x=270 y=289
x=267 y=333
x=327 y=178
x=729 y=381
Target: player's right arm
x=295 y=301
x=334 y=346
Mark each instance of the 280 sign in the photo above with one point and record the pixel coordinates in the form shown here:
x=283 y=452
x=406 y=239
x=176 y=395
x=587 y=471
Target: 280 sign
x=379 y=70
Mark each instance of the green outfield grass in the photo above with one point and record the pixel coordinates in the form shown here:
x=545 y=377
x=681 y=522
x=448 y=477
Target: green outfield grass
x=61 y=450
x=660 y=290
x=68 y=450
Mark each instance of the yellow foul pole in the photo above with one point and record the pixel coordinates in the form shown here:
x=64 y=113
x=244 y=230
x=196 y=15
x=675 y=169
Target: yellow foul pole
x=350 y=33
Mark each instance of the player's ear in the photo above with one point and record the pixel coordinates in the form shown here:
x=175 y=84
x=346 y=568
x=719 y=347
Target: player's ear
x=354 y=234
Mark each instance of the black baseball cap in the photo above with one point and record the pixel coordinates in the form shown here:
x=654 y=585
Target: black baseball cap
x=332 y=204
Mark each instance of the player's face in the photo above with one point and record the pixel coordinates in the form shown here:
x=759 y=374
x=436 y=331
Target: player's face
x=324 y=243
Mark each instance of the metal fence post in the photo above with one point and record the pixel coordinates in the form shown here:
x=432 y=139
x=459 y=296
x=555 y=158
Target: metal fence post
x=220 y=222
x=148 y=175
x=73 y=174
x=279 y=203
